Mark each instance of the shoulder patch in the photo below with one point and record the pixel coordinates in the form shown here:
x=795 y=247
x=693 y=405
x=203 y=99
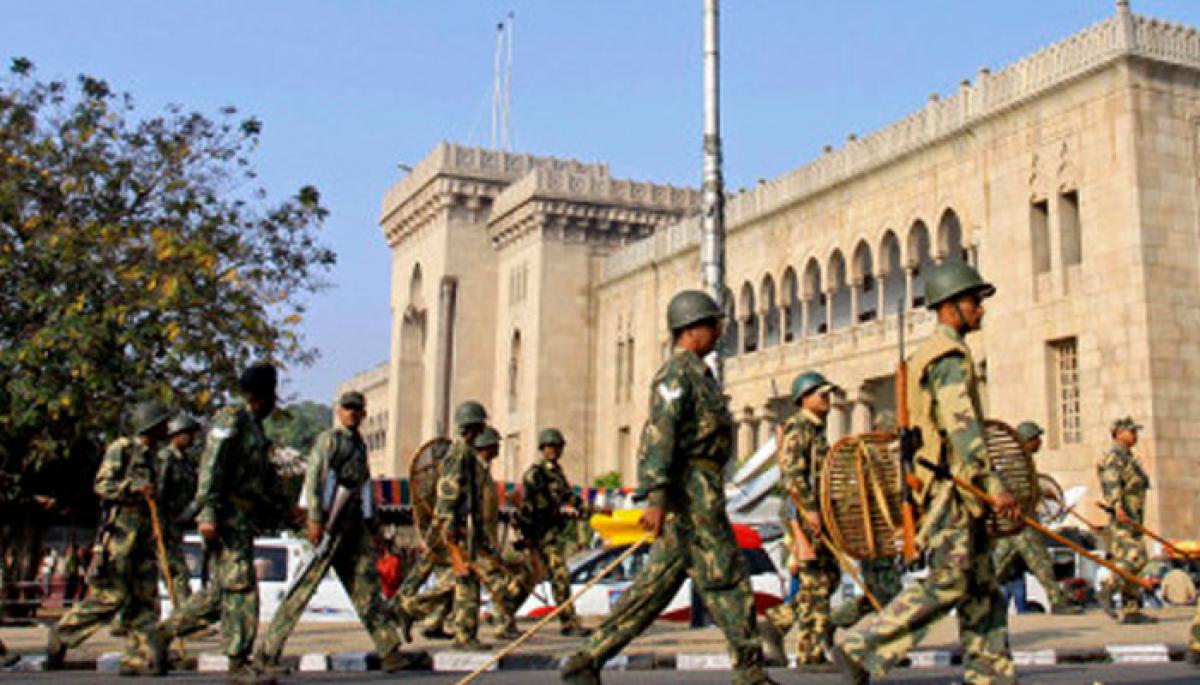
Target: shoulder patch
x=668 y=394
x=220 y=432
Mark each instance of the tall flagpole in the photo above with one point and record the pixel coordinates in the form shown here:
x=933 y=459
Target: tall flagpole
x=712 y=232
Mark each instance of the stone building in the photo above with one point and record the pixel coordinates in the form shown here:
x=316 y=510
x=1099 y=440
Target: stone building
x=1070 y=178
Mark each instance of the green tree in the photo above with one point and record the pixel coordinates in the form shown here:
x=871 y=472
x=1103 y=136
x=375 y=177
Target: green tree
x=298 y=425
x=138 y=258
x=608 y=481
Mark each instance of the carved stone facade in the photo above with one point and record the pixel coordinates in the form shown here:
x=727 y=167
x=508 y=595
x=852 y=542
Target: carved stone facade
x=1069 y=178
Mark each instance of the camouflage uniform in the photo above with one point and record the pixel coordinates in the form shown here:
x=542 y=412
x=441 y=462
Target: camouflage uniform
x=241 y=492
x=943 y=394
x=466 y=492
x=1124 y=483
x=685 y=445
x=542 y=524
x=176 y=489
x=124 y=570
x=1031 y=546
x=883 y=579
x=803 y=456
x=340 y=451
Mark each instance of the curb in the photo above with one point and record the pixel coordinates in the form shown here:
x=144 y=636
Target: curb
x=458 y=661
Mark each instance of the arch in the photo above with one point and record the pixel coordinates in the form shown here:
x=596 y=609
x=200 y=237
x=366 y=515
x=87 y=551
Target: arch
x=837 y=286
x=950 y=237
x=790 y=302
x=862 y=270
x=770 y=312
x=730 y=340
x=813 y=294
x=891 y=272
x=920 y=260
x=749 y=318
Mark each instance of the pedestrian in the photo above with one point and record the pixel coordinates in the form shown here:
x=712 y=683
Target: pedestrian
x=944 y=397
x=547 y=509
x=239 y=495
x=803 y=448
x=123 y=579
x=685 y=445
x=1123 y=484
x=337 y=465
x=1027 y=549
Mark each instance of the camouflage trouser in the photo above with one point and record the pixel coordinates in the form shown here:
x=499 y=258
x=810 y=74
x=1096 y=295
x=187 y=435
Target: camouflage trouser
x=127 y=583
x=177 y=565
x=809 y=608
x=1030 y=546
x=1126 y=549
x=1194 y=642
x=353 y=559
x=697 y=544
x=960 y=579
x=232 y=593
x=883 y=580
x=553 y=560
x=503 y=587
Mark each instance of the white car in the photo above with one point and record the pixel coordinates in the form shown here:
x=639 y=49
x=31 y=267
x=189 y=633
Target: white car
x=277 y=560
x=600 y=599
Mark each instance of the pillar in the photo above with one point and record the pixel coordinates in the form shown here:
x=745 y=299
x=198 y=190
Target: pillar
x=855 y=293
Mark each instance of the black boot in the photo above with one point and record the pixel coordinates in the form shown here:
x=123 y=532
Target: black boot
x=578 y=669
x=56 y=653
x=852 y=672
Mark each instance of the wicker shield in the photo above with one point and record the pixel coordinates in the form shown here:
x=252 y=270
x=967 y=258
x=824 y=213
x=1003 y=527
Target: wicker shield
x=1052 y=503
x=861 y=497
x=422 y=483
x=1016 y=470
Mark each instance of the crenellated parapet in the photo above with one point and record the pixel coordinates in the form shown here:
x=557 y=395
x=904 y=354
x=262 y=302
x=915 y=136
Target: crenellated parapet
x=586 y=207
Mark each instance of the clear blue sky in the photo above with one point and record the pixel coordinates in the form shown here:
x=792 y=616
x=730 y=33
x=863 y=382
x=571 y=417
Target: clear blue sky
x=348 y=88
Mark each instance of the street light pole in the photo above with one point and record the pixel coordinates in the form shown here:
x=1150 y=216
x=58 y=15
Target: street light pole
x=712 y=231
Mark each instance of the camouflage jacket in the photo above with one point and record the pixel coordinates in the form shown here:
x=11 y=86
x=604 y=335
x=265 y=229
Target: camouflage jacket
x=689 y=426
x=343 y=451
x=127 y=466
x=238 y=484
x=803 y=457
x=176 y=483
x=462 y=496
x=1123 y=482
x=546 y=492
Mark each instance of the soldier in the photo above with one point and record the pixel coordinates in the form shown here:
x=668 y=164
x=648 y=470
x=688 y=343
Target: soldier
x=467 y=515
x=239 y=495
x=177 y=477
x=470 y=418
x=685 y=445
x=1123 y=484
x=943 y=395
x=548 y=506
x=339 y=458
x=1193 y=654
x=804 y=448
x=1029 y=544
x=123 y=576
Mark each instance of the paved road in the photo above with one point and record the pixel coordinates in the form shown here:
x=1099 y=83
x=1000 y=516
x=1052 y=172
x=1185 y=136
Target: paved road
x=1169 y=674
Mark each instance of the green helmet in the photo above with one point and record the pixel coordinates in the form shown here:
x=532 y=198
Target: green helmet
x=690 y=307
x=488 y=437
x=807 y=382
x=149 y=415
x=1028 y=430
x=182 y=423
x=469 y=413
x=952 y=278
x=551 y=436
x=1125 y=423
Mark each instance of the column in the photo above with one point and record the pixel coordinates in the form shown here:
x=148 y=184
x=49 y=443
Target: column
x=804 y=318
x=855 y=293
x=860 y=412
x=881 y=282
x=908 y=285
x=829 y=311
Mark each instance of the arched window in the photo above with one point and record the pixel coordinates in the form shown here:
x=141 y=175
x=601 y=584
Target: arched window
x=920 y=260
x=770 y=312
x=749 y=319
x=950 y=238
x=790 y=301
x=813 y=292
x=891 y=272
x=730 y=340
x=863 y=273
x=837 y=287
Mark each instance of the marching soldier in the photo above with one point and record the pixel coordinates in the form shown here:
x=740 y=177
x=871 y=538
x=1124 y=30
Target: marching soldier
x=804 y=447
x=548 y=506
x=468 y=514
x=177 y=478
x=124 y=573
x=1123 y=484
x=338 y=469
x=239 y=495
x=944 y=397
x=1029 y=543
x=410 y=604
x=685 y=445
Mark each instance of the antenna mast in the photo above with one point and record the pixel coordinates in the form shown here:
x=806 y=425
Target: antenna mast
x=502 y=82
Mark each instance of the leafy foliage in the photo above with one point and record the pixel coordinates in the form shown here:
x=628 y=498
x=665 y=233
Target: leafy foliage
x=608 y=481
x=138 y=258
x=298 y=425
